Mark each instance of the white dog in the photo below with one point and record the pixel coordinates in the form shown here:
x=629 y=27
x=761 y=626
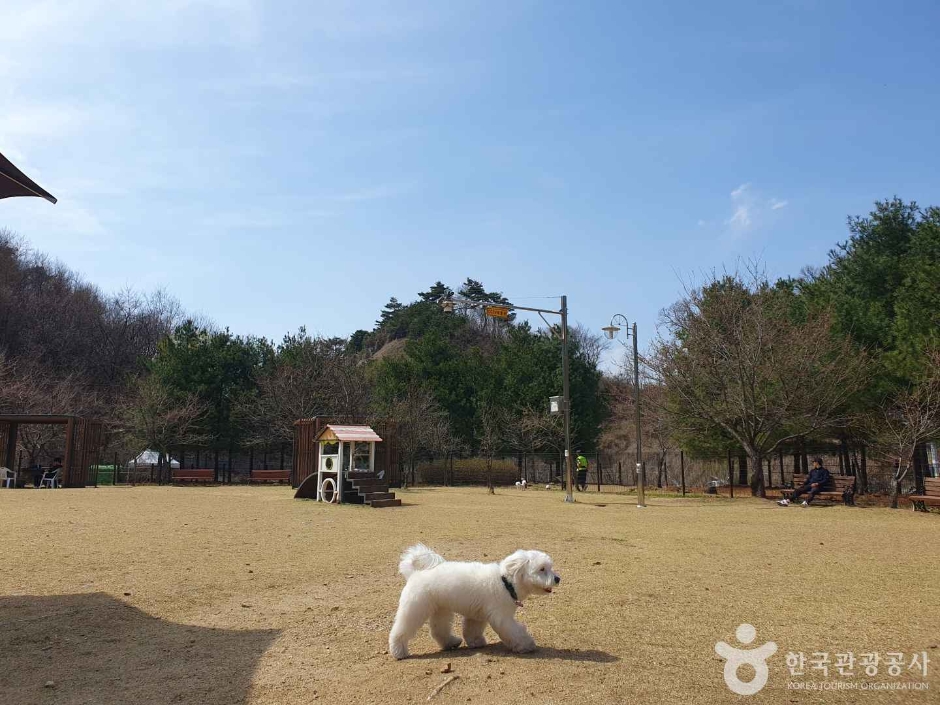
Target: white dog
x=481 y=592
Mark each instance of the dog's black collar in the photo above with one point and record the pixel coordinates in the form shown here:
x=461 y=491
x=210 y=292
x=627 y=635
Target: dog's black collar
x=510 y=588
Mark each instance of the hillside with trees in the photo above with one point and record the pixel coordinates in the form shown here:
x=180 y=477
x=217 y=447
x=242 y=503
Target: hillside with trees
x=845 y=353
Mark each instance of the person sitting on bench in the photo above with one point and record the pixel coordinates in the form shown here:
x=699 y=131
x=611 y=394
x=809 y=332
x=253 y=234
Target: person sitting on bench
x=818 y=478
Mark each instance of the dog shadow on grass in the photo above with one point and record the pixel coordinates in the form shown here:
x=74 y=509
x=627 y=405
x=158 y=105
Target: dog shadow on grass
x=93 y=648
x=542 y=653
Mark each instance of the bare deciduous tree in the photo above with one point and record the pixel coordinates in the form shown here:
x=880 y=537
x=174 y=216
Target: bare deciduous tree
x=739 y=360
x=27 y=387
x=491 y=438
x=153 y=417
x=589 y=343
x=417 y=417
x=316 y=378
x=905 y=421
x=443 y=441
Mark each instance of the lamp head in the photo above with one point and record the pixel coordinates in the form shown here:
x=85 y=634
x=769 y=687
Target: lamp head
x=611 y=331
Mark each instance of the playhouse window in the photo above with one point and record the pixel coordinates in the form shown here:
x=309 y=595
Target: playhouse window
x=330 y=448
x=361 y=456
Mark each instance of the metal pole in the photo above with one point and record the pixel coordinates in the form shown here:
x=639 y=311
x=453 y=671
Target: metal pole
x=682 y=469
x=730 y=474
x=640 y=467
x=569 y=496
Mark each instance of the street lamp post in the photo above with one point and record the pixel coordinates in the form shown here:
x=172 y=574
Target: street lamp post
x=611 y=332
x=448 y=304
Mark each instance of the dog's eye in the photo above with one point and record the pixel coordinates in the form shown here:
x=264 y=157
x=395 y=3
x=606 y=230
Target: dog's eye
x=542 y=569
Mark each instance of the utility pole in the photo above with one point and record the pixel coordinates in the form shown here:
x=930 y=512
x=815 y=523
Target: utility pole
x=501 y=310
x=640 y=467
x=566 y=393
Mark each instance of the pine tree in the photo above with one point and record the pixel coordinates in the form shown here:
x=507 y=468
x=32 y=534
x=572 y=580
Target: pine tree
x=438 y=291
x=388 y=313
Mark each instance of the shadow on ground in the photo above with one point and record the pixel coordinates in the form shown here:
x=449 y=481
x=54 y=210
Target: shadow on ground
x=97 y=649
x=540 y=654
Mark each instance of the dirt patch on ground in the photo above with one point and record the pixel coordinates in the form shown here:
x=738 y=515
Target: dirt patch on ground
x=230 y=594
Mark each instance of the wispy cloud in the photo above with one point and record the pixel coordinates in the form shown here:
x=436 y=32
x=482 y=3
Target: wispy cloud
x=749 y=210
x=742 y=204
x=374 y=193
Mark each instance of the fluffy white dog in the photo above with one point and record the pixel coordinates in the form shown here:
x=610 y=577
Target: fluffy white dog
x=482 y=592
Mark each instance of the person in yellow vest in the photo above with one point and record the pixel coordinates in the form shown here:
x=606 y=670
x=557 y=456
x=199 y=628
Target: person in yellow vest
x=582 y=472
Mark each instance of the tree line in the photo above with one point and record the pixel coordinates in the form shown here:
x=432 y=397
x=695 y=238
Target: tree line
x=452 y=383
x=845 y=351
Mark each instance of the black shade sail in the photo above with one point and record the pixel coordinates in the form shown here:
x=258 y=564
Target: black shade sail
x=14 y=182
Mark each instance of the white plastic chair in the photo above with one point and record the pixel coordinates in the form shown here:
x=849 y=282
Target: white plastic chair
x=7 y=478
x=50 y=478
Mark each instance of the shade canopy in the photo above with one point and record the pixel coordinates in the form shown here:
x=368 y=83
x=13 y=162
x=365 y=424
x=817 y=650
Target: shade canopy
x=148 y=458
x=14 y=182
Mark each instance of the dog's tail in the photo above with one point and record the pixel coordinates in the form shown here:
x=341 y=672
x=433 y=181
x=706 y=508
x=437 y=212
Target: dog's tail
x=418 y=557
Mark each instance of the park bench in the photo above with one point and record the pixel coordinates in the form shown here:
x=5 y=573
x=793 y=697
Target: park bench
x=931 y=496
x=269 y=476
x=193 y=475
x=839 y=487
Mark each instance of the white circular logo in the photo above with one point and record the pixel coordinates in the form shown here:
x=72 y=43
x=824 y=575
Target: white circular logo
x=756 y=658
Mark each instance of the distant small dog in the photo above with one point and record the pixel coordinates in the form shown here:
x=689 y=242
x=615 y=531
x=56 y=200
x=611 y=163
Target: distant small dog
x=481 y=592
x=522 y=484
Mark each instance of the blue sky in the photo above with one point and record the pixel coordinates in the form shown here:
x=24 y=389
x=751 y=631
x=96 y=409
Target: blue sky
x=276 y=164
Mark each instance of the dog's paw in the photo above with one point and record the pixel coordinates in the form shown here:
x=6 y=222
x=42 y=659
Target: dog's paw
x=452 y=643
x=523 y=647
x=476 y=643
x=398 y=651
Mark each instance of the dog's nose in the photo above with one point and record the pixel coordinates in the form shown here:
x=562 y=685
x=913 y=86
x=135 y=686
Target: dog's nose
x=557 y=579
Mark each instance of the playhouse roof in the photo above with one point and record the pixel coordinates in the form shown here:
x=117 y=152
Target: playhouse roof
x=335 y=432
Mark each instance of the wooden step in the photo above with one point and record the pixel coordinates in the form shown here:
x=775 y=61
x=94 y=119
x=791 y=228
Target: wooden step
x=372 y=488
x=386 y=503
x=373 y=496
x=368 y=482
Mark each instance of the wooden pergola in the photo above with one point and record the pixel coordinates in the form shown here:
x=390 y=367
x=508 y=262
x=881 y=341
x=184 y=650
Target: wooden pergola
x=83 y=443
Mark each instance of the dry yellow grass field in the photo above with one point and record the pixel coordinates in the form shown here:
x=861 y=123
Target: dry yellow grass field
x=235 y=594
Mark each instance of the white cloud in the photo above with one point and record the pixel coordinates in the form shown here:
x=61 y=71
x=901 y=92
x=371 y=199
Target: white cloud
x=56 y=23
x=742 y=205
x=741 y=218
x=749 y=209
x=375 y=193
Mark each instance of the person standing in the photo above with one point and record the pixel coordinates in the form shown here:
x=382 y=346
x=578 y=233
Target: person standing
x=582 y=472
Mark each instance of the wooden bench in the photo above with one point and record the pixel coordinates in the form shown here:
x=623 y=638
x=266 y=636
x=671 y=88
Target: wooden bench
x=931 y=496
x=839 y=487
x=193 y=475
x=269 y=476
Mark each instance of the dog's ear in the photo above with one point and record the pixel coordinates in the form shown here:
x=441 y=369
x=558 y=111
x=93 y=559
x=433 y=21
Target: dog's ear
x=515 y=564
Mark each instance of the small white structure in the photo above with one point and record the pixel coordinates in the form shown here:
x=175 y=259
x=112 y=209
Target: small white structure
x=345 y=451
x=148 y=458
